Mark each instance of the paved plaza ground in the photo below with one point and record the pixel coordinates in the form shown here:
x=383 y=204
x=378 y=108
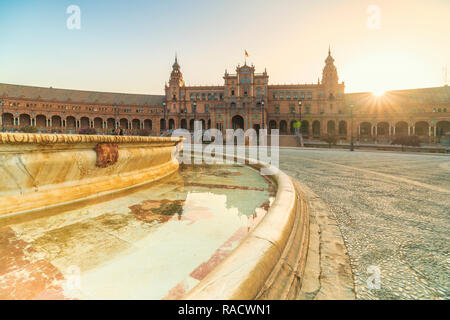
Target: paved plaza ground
x=393 y=210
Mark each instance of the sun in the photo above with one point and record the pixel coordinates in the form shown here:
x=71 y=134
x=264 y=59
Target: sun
x=378 y=92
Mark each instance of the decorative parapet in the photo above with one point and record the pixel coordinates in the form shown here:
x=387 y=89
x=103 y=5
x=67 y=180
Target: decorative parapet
x=31 y=138
x=39 y=171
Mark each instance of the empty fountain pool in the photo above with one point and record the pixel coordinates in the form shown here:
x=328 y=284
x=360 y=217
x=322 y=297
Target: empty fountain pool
x=156 y=241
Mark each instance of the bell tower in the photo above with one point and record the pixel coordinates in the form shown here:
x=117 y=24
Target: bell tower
x=173 y=90
x=329 y=73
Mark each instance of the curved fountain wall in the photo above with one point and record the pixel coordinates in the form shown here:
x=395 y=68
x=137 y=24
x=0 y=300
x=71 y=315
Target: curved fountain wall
x=39 y=171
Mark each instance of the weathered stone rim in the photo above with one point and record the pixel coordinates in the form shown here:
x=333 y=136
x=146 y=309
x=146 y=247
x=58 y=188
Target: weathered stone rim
x=45 y=138
x=242 y=275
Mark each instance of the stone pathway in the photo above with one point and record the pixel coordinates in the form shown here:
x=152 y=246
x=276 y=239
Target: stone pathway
x=393 y=211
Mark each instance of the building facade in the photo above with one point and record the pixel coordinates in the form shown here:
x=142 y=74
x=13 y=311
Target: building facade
x=245 y=100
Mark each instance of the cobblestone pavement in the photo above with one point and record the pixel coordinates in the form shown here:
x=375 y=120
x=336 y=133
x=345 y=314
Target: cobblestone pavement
x=393 y=211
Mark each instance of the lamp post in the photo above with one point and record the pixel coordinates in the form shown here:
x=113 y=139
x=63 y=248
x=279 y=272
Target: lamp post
x=262 y=113
x=194 y=109
x=300 y=127
x=351 y=128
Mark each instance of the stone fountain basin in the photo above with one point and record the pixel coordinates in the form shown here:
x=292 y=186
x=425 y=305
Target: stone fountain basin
x=202 y=232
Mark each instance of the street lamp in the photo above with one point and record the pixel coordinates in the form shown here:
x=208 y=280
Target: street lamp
x=262 y=113
x=351 y=128
x=300 y=127
x=194 y=109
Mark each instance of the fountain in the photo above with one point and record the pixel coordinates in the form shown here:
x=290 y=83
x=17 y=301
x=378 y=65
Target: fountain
x=113 y=217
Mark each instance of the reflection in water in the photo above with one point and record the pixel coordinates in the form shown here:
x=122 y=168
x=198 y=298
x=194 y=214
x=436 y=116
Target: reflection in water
x=152 y=242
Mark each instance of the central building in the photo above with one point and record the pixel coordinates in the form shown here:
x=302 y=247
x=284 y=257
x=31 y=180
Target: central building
x=247 y=100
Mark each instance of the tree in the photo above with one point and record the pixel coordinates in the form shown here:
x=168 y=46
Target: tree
x=330 y=139
x=405 y=140
x=87 y=130
x=28 y=129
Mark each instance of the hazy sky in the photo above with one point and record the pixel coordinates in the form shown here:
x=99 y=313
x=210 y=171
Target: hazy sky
x=129 y=46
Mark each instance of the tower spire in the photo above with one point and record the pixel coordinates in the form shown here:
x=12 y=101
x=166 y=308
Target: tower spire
x=329 y=50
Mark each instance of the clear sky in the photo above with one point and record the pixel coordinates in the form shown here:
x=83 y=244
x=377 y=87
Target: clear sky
x=129 y=46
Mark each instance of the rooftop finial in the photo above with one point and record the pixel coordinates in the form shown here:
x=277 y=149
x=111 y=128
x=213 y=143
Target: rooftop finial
x=329 y=50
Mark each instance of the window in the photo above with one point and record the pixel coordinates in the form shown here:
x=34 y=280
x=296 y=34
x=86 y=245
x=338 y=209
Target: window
x=281 y=96
x=292 y=108
x=277 y=108
x=232 y=92
x=288 y=95
x=307 y=108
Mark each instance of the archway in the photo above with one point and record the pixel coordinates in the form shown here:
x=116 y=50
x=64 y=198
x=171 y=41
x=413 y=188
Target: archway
x=316 y=129
x=56 y=122
x=84 y=122
x=70 y=123
x=365 y=129
x=25 y=120
x=171 y=124
x=272 y=124
x=305 y=128
x=8 y=120
x=283 y=127
x=183 y=124
x=343 y=128
x=98 y=123
x=136 y=124
x=383 y=129
x=41 y=121
x=162 y=124
x=331 y=127
x=123 y=123
x=111 y=124
x=237 y=122
x=148 y=124
x=401 y=128
x=443 y=132
x=421 y=129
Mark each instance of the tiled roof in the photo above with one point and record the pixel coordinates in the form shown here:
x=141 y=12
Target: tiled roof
x=424 y=95
x=79 y=96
